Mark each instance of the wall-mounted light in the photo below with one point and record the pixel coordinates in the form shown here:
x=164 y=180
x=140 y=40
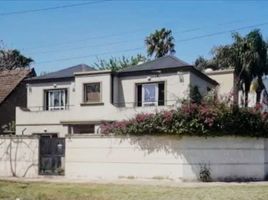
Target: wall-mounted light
x=149 y=78
x=180 y=74
x=45 y=130
x=54 y=85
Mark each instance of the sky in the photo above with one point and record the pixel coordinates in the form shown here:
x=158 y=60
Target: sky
x=99 y=29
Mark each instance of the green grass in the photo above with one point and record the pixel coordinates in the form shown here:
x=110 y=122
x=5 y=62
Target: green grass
x=56 y=191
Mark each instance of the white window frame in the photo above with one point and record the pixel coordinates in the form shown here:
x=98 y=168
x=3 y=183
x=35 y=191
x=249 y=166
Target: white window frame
x=150 y=103
x=51 y=98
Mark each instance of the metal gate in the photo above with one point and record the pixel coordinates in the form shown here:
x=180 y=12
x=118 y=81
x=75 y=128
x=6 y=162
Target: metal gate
x=51 y=155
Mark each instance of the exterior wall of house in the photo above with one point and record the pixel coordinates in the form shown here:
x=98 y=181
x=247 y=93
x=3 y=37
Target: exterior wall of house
x=36 y=93
x=121 y=106
x=179 y=159
x=174 y=88
x=19 y=156
x=7 y=108
x=225 y=78
x=202 y=85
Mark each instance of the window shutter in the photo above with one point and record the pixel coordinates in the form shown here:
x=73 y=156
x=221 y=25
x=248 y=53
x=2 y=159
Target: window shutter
x=161 y=94
x=46 y=100
x=139 y=95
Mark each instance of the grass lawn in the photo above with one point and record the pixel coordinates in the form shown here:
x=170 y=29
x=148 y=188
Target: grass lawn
x=56 y=191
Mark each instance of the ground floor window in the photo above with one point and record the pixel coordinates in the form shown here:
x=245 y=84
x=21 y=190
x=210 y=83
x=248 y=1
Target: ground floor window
x=82 y=129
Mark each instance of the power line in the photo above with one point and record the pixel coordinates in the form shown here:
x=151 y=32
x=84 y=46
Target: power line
x=222 y=32
x=140 y=48
x=82 y=47
x=112 y=35
x=49 y=8
x=90 y=55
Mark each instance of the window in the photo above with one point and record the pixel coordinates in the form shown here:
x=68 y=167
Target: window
x=83 y=129
x=55 y=99
x=92 y=93
x=152 y=94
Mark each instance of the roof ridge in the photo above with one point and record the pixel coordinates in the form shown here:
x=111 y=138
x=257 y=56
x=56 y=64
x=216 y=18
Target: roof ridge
x=177 y=59
x=149 y=61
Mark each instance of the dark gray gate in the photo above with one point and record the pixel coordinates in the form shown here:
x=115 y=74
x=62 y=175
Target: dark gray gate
x=51 y=155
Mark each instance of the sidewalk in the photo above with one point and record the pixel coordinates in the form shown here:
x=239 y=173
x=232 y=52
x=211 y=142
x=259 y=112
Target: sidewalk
x=165 y=183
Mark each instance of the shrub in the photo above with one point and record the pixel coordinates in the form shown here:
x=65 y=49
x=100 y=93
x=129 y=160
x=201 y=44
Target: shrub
x=204 y=119
x=204 y=173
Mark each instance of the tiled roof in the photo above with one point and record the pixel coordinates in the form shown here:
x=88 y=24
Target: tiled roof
x=64 y=73
x=9 y=79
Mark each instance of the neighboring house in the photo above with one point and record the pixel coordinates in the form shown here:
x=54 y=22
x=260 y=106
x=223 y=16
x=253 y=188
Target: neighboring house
x=12 y=93
x=226 y=80
x=78 y=99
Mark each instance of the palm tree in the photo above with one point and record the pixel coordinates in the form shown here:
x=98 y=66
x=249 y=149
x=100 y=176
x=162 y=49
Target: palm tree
x=160 y=43
x=247 y=56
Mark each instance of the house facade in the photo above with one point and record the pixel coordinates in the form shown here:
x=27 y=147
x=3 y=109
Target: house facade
x=78 y=99
x=12 y=93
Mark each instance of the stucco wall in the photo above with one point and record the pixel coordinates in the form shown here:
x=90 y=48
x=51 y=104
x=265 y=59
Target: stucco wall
x=35 y=93
x=174 y=89
x=225 y=78
x=19 y=156
x=147 y=157
x=202 y=85
x=119 y=107
x=228 y=158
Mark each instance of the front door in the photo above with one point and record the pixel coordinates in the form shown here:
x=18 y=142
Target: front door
x=51 y=155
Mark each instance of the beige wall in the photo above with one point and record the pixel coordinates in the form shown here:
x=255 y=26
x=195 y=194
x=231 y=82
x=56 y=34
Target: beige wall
x=178 y=159
x=146 y=157
x=35 y=93
x=200 y=83
x=175 y=90
x=225 y=78
x=37 y=120
x=19 y=156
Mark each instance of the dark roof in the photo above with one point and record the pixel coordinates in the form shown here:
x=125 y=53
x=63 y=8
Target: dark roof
x=64 y=73
x=163 y=64
x=157 y=64
x=10 y=79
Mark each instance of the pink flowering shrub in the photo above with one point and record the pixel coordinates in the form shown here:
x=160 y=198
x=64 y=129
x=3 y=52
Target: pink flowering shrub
x=204 y=119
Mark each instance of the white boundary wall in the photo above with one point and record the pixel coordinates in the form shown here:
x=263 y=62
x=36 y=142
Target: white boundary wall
x=144 y=157
x=19 y=156
x=229 y=158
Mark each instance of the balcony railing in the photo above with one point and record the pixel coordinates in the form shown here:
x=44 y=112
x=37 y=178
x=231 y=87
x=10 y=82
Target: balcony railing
x=147 y=104
x=47 y=108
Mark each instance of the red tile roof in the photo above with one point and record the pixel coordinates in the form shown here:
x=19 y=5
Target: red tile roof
x=10 y=79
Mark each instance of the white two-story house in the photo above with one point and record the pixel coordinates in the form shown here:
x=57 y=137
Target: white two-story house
x=78 y=99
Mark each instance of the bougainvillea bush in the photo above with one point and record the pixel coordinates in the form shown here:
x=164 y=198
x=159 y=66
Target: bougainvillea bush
x=204 y=119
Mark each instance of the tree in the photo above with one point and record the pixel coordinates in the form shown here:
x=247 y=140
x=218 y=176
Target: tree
x=195 y=95
x=201 y=64
x=160 y=43
x=116 y=64
x=12 y=59
x=247 y=56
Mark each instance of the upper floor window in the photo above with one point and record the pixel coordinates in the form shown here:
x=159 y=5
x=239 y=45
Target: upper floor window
x=56 y=99
x=151 y=94
x=92 y=92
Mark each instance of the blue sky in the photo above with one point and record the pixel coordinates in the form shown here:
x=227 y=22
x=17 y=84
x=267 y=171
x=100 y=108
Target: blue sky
x=60 y=38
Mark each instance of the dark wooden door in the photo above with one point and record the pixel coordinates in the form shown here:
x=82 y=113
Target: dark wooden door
x=51 y=155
